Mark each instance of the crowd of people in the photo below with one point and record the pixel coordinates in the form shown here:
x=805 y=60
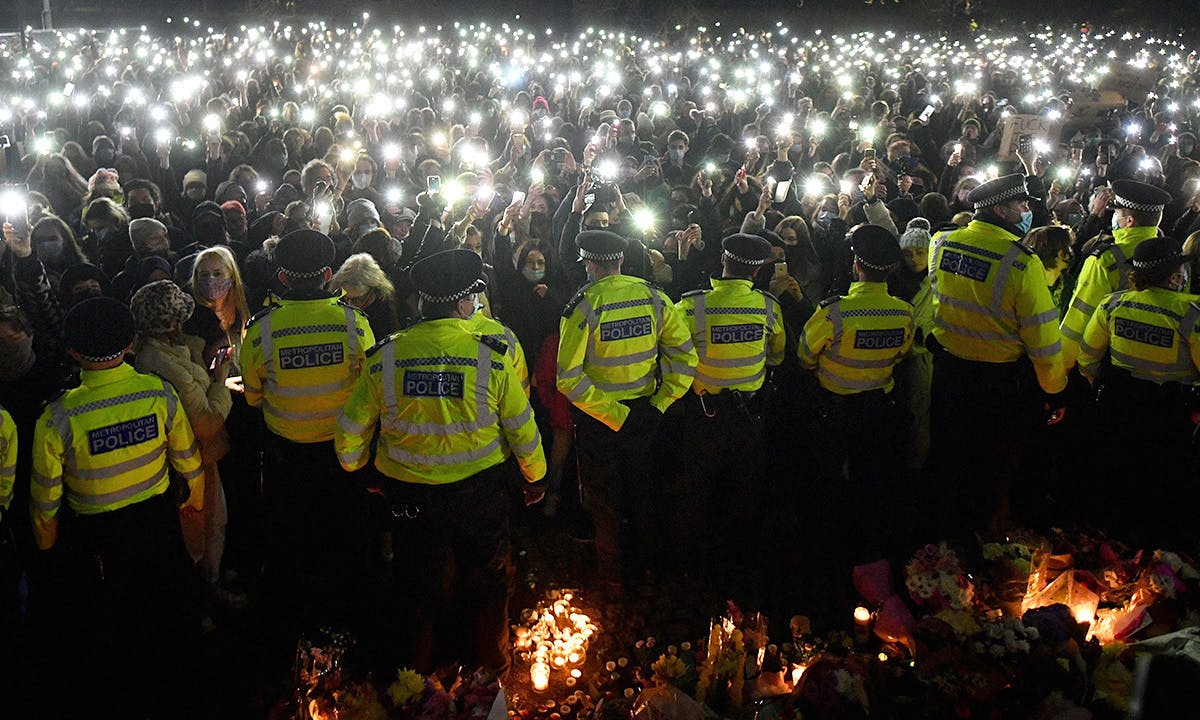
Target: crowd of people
x=289 y=310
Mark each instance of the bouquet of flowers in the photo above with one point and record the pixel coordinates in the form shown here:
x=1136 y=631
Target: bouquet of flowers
x=722 y=674
x=935 y=579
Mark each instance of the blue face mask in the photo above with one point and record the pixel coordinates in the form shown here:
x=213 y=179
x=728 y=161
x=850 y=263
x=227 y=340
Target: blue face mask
x=1025 y=222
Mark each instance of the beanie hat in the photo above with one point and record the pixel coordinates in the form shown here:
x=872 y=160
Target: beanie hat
x=104 y=180
x=195 y=177
x=141 y=227
x=360 y=211
x=916 y=238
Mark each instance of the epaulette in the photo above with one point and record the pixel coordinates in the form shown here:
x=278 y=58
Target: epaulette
x=379 y=344
x=258 y=315
x=1100 y=250
x=55 y=398
x=358 y=310
x=768 y=294
x=1028 y=250
x=495 y=343
x=575 y=300
x=690 y=293
x=829 y=301
x=653 y=284
x=1100 y=243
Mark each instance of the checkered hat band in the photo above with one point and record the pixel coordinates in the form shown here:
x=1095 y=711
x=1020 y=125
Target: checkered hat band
x=873 y=266
x=1151 y=264
x=1001 y=196
x=106 y=358
x=446 y=298
x=1121 y=202
x=742 y=260
x=600 y=257
x=313 y=274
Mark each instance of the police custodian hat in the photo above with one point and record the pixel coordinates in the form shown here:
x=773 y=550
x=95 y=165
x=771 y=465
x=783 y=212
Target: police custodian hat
x=99 y=329
x=999 y=190
x=747 y=249
x=448 y=276
x=875 y=247
x=1134 y=195
x=600 y=245
x=304 y=253
x=1156 y=252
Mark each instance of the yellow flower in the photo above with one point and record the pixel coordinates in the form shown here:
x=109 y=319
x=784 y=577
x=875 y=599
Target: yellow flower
x=408 y=686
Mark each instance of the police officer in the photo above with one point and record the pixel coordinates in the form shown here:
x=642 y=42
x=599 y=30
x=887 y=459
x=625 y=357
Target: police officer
x=993 y=317
x=299 y=361
x=854 y=342
x=8 y=462
x=624 y=356
x=1137 y=211
x=451 y=411
x=1142 y=352
x=737 y=332
x=108 y=448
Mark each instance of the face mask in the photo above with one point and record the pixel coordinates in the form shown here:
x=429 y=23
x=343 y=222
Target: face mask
x=361 y=180
x=196 y=194
x=476 y=306
x=824 y=218
x=102 y=235
x=364 y=229
x=105 y=157
x=214 y=288
x=533 y=275
x=50 y=250
x=676 y=155
x=1183 y=283
x=141 y=210
x=1116 y=222
x=1025 y=222
x=17 y=361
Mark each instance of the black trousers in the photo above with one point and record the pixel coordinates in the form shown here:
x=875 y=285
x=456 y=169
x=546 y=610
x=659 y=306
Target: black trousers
x=982 y=417
x=615 y=470
x=452 y=570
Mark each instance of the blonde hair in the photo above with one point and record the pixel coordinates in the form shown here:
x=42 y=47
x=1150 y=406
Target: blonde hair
x=962 y=219
x=238 y=291
x=362 y=271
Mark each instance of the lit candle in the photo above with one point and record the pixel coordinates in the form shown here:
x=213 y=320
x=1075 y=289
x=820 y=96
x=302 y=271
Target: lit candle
x=862 y=624
x=539 y=674
x=797 y=672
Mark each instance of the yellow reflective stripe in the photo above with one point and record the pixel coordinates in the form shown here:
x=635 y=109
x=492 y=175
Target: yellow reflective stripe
x=112 y=471
x=412 y=458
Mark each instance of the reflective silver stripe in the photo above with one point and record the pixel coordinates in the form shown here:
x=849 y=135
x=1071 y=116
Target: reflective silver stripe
x=1000 y=282
x=576 y=393
x=1045 y=351
x=120 y=468
x=1070 y=334
x=515 y=423
x=966 y=306
x=980 y=334
x=623 y=360
x=769 y=307
x=1050 y=315
x=657 y=303
x=631 y=385
x=186 y=452
x=729 y=382
x=1149 y=365
x=314 y=390
x=568 y=373
x=412 y=458
x=192 y=474
x=349 y=426
x=1121 y=265
x=589 y=315
x=388 y=378
x=834 y=356
x=297 y=416
x=835 y=319
x=268 y=349
x=529 y=447
x=172 y=405
x=354 y=344
x=734 y=362
x=442 y=429
x=351 y=458
x=700 y=337
x=46 y=507
x=483 y=375
x=840 y=381
x=1077 y=303
x=685 y=347
x=117 y=495
x=61 y=420
x=47 y=482
x=678 y=368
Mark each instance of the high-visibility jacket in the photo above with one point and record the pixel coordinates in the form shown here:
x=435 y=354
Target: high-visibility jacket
x=737 y=331
x=486 y=325
x=991 y=303
x=448 y=403
x=299 y=363
x=1152 y=333
x=1105 y=271
x=109 y=443
x=616 y=336
x=8 y=458
x=854 y=341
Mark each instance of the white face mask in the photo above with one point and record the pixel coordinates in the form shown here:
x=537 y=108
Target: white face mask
x=1116 y=222
x=360 y=180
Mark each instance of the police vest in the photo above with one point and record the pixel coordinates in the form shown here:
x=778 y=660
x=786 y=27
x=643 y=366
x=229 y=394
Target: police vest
x=737 y=331
x=853 y=342
x=8 y=458
x=1150 y=333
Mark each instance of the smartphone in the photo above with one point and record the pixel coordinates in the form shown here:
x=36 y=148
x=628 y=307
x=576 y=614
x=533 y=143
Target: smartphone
x=220 y=356
x=433 y=184
x=927 y=113
x=1024 y=143
x=869 y=154
x=518 y=197
x=14 y=204
x=648 y=159
x=781 y=269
